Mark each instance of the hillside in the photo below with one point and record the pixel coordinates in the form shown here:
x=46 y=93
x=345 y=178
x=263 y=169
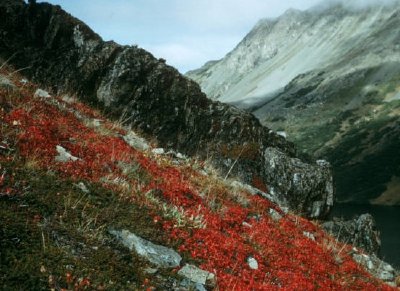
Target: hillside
x=84 y=202
x=329 y=78
x=63 y=54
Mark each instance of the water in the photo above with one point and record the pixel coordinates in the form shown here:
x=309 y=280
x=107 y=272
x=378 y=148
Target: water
x=388 y=223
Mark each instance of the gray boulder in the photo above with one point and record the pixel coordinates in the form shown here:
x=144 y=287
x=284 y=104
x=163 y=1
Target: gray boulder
x=197 y=275
x=159 y=255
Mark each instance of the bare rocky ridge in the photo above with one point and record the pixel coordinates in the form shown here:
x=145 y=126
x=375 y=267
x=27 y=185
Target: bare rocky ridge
x=64 y=55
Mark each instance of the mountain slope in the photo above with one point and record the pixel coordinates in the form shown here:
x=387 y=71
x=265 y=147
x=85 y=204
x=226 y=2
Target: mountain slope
x=77 y=195
x=63 y=54
x=328 y=77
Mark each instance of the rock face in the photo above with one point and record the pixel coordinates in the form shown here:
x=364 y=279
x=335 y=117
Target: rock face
x=360 y=232
x=291 y=175
x=329 y=78
x=63 y=54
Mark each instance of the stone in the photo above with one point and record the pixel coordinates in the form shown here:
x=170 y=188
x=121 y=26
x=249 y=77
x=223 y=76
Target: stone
x=187 y=285
x=64 y=156
x=83 y=187
x=135 y=141
x=252 y=262
x=309 y=235
x=160 y=256
x=39 y=93
x=282 y=134
x=274 y=214
x=361 y=232
x=376 y=267
x=197 y=275
x=158 y=151
x=6 y=83
x=386 y=276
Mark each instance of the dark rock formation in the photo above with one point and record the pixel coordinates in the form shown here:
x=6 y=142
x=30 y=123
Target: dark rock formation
x=360 y=232
x=64 y=55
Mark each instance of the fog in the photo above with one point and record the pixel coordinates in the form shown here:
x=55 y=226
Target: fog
x=356 y=4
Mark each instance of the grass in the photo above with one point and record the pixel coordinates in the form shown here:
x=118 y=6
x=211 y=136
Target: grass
x=50 y=229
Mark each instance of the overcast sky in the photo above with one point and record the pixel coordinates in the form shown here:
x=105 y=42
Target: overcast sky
x=186 y=33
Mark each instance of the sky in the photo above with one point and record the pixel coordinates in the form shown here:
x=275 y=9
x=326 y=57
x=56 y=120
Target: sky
x=187 y=33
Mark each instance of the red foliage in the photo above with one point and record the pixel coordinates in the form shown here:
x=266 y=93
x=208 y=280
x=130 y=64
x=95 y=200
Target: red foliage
x=286 y=258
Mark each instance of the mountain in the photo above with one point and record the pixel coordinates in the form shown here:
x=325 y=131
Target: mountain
x=63 y=54
x=90 y=201
x=329 y=78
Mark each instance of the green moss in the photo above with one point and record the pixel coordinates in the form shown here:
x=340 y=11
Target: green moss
x=50 y=228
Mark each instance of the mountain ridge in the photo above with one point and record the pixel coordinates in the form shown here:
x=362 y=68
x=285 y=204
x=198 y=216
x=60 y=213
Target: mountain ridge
x=329 y=79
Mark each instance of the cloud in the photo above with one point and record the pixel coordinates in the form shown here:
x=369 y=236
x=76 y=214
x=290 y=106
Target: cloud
x=357 y=4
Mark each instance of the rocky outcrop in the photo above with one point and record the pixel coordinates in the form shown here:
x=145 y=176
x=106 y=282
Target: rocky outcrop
x=361 y=232
x=64 y=55
x=298 y=179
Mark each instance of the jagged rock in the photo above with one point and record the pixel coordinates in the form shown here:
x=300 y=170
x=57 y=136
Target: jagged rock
x=303 y=187
x=159 y=255
x=39 y=93
x=360 y=232
x=64 y=156
x=197 y=275
x=153 y=98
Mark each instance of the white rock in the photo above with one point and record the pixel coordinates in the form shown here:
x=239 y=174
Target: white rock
x=309 y=235
x=24 y=81
x=181 y=156
x=68 y=99
x=158 y=151
x=196 y=274
x=64 y=156
x=244 y=223
x=386 y=276
x=282 y=134
x=253 y=264
x=41 y=94
x=83 y=187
